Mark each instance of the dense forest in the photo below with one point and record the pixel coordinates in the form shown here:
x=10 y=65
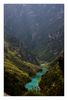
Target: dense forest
x=34 y=49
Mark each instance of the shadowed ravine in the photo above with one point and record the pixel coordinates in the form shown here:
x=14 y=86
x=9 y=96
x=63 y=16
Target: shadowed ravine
x=34 y=83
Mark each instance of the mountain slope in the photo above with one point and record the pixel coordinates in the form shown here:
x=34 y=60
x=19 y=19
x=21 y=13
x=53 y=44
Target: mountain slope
x=14 y=79
x=33 y=35
x=52 y=83
x=40 y=28
x=17 y=72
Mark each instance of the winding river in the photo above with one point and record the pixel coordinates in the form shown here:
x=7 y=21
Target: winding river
x=34 y=83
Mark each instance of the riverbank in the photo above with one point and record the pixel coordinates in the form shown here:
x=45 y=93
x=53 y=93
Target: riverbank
x=33 y=85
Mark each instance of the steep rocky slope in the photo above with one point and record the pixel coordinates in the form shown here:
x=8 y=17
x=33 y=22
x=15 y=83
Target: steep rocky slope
x=52 y=83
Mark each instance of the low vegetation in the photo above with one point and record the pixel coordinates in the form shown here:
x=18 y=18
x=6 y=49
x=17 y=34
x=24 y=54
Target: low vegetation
x=52 y=83
x=17 y=73
x=14 y=79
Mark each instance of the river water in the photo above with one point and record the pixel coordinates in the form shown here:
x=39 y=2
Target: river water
x=34 y=83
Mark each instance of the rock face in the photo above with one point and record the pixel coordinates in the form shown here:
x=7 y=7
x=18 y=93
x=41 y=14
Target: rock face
x=52 y=83
x=5 y=94
x=40 y=28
